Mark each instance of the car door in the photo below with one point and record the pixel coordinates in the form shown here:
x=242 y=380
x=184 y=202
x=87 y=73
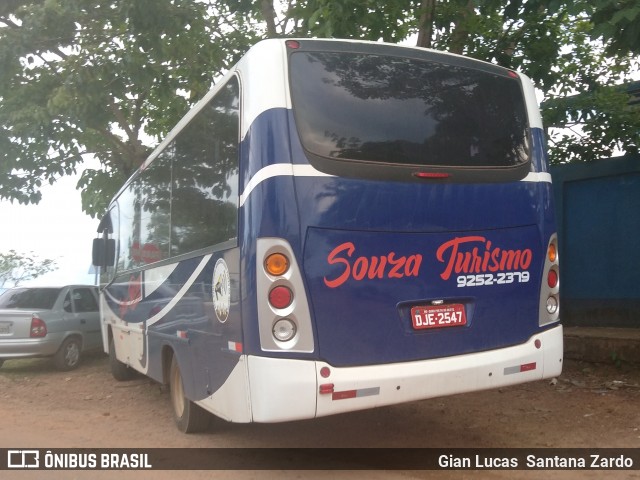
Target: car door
x=81 y=307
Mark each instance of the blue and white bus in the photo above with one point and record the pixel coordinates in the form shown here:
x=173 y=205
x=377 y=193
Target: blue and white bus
x=336 y=226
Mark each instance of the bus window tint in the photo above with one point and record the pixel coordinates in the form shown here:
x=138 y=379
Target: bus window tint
x=144 y=218
x=205 y=176
x=186 y=199
x=155 y=210
x=406 y=111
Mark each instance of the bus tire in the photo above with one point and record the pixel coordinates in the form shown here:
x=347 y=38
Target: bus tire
x=189 y=417
x=120 y=371
x=68 y=355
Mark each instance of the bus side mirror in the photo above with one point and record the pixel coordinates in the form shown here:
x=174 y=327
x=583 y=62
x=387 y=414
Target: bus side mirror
x=104 y=252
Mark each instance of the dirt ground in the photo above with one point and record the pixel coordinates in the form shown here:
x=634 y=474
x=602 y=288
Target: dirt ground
x=589 y=405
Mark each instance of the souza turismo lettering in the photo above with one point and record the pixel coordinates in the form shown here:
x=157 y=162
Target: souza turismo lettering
x=481 y=258
x=461 y=255
x=389 y=265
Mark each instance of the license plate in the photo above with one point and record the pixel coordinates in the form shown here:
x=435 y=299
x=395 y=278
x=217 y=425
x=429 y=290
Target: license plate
x=438 y=316
x=5 y=328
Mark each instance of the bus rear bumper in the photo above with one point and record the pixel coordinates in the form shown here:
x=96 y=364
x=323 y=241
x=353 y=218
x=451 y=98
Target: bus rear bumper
x=283 y=390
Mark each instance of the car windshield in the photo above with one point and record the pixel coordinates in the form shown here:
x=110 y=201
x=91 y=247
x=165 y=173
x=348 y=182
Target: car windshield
x=40 y=298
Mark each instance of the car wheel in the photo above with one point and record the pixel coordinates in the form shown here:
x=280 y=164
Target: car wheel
x=68 y=355
x=119 y=370
x=189 y=417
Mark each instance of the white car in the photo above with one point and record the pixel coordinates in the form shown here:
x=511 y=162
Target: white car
x=58 y=322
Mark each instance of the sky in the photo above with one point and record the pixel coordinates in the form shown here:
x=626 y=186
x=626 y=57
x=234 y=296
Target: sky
x=56 y=228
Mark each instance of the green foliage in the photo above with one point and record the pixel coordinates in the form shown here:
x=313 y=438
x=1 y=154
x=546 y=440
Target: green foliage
x=16 y=268
x=81 y=79
x=594 y=125
x=369 y=20
x=106 y=79
x=618 y=21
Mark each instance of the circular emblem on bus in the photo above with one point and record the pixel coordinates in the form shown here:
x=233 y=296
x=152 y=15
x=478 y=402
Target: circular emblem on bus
x=221 y=290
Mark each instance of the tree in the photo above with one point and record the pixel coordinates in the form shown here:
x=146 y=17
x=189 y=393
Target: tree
x=16 y=268
x=81 y=79
x=618 y=21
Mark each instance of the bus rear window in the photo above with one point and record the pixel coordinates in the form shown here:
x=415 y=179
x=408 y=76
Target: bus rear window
x=406 y=111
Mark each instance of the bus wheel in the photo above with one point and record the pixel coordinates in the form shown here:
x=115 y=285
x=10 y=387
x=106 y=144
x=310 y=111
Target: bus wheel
x=119 y=370
x=189 y=417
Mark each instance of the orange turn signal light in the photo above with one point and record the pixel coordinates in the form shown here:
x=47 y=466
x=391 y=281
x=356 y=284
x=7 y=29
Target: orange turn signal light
x=552 y=253
x=276 y=264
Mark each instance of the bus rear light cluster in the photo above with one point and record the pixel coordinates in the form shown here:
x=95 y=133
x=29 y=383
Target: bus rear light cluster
x=280 y=297
x=284 y=320
x=550 y=291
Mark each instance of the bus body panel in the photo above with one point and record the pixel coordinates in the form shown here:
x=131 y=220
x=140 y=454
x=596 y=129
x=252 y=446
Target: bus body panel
x=174 y=307
x=332 y=212
x=294 y=393
x=364 y=284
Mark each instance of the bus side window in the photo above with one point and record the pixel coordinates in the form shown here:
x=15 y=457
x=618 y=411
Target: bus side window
x=205 y=175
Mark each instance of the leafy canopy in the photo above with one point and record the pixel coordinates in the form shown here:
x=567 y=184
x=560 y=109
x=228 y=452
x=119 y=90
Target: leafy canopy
x=16 y=268
x=81 y=79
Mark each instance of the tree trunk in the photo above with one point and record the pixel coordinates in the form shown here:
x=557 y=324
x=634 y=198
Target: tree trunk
x=460 y=35
x=425 y=26
x=269 y=15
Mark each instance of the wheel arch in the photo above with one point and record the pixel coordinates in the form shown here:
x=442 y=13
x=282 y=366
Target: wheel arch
x=167 y=356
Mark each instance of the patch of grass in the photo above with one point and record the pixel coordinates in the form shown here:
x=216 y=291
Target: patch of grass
x=617 y=359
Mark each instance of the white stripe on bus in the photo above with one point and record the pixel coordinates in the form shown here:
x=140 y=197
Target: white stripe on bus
x=290 y=170
x=181 y=293
x=279 y=170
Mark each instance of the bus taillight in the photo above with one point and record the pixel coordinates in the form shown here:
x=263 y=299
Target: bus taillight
x=552 y=305
x=280 y=297
x=550 y=292
x=276 y=264
x=284 y=330
x=284 y=318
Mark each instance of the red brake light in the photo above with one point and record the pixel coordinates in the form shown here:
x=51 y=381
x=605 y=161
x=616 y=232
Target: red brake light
x=552 y=279
x=435 y=175
x=38 y=327
x=280 y=297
